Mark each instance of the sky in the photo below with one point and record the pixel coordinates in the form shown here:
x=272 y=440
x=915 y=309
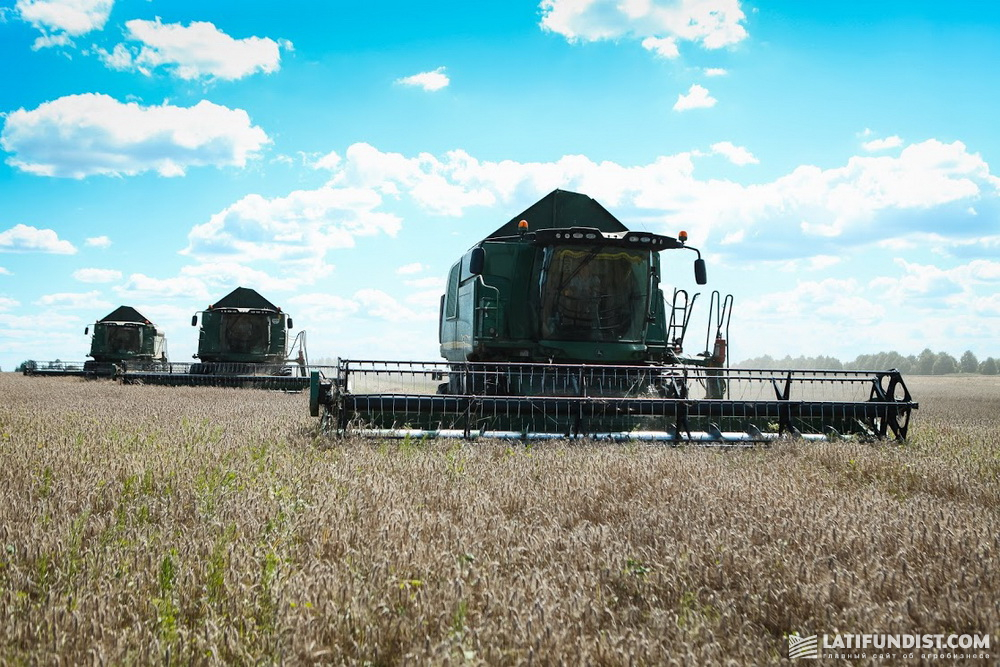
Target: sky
x=833 y=161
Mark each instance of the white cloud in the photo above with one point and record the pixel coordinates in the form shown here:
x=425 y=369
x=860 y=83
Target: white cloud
x=732 y=238
x=58 y=20
x=380 y=305
x=715 y=71
x=329 y=162
x=219 y=276
x=665 y=47
x=73 y=300
x=97 y=275
x=982 y=270
x=376 y=304
x=140 y=286
x=711 y=24
x=51 y=41
x=410 y=269
x=738 y=155
x=24 y=238
x=299 y=228
x=815 y=263
x=6 y=303
x=697 y=97
x=198 y=50
x=921 y=285
x=831 y=301
x=882 y=144
x=868 y=201
x=98 y=242
x=429 y=81
x=82 y=135
x=323 y=306
x=119 y=58
x=5 y=272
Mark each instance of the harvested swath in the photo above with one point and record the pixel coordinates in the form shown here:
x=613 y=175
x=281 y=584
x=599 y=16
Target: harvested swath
x=139 y=524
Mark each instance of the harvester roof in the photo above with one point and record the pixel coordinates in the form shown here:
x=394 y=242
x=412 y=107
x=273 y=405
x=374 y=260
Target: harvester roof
x=561 y=209
x=125 y=314
x=244 y=297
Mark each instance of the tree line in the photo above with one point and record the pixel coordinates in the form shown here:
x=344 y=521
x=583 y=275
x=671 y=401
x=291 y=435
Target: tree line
x=927 y=362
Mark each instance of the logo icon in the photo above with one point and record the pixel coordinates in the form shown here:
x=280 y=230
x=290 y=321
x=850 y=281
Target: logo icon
x=803 y=647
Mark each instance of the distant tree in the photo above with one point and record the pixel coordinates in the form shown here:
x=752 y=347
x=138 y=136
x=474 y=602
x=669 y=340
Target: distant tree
x=925 y=362
x=829 y=363
x=988 y=366
x=944 y=364
x=969 y=363
x=899 y=362
x=882 y=361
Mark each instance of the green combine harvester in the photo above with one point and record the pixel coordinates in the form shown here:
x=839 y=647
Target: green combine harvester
x=556 y=325
x=122 y=339
x=243 y=341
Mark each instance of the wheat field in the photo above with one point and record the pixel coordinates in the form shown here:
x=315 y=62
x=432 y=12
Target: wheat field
x=206 y=526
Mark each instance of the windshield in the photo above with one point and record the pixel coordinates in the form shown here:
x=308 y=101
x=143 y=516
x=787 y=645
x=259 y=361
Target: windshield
x=124 y=340
x=245 y=333
x=596 y=294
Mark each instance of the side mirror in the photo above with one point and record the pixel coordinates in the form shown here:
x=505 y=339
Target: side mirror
x=289 y=323
x=194 y=320
x=477 y=260
x=700 y=273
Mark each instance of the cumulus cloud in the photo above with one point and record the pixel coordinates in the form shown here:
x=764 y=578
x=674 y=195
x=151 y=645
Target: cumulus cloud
x=196 y=51
x=410 y=269
x=59 y=20
x=715 y=71
x=73 y=300
x=882 y=144
x=25 y=238
x=697 y=97
x=380 y=305
x=140 y=286
x=429 y=81
x=225 y=275
x=300 y=227
x=922 y=284
x=738 y=155
x=828 y=300
x=97 y=275
x=98 y=242
x=665 y=47
x=711 y=24
x=325 y=307
x=868 y=201
x=83 y=135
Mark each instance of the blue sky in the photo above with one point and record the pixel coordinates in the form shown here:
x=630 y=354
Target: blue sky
x=833 y=161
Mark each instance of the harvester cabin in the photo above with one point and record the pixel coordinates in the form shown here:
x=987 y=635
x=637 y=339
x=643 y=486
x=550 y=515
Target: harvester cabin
x=125 y=334
x=564 y=279
x=243 y=326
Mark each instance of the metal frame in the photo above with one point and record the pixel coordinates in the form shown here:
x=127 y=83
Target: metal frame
x=642 y=402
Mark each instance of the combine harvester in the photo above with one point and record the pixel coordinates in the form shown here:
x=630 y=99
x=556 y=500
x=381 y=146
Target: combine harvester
x=242 y=342
x=122 y=339
x=556 y=326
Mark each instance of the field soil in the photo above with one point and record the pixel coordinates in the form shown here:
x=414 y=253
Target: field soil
x=200 y=525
